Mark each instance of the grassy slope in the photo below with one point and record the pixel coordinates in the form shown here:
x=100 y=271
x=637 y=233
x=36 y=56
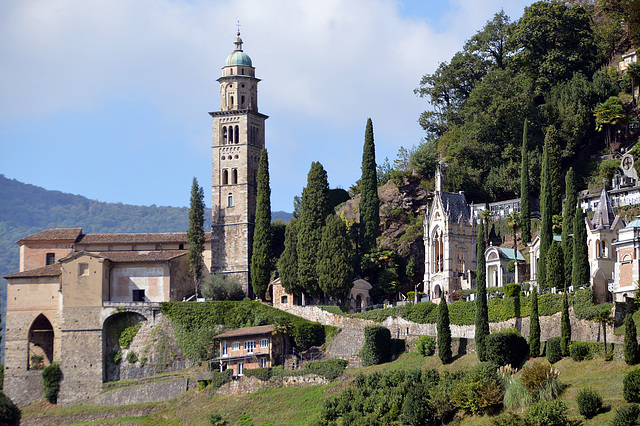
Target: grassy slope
x=300 y=406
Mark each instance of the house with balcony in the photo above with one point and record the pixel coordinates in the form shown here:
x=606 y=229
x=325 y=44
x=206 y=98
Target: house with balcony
x=251 y=347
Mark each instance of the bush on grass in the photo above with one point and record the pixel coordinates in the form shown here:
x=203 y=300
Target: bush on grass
x=589 y=402
x=626 y=416
x=547 y=413
x=329 y=369
x=553 y=350
x=506 y=347
x=377 y=344
x=426 y=345
x=631 y=386
x=580 y=351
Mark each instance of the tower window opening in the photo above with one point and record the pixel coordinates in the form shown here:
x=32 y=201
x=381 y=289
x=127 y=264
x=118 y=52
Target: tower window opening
x=230 y=200
x=224 y=135
x=237 y=134
x=242 y=100
x=230 y=134
x=231 y=102
x=242 y=71
x=234 y=176
x=225 y=177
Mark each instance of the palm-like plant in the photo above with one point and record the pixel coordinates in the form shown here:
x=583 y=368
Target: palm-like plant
x=610 y=114
x=513 y=220
x=604 y=318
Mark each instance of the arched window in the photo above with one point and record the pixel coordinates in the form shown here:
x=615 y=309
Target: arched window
x=230 y=200
x=230 y=134
x=598 y=248
x=237 y=134
x=242 y=100
x=41 y=338
x=231 y=102
x=224 y=135
x=605 y=252
x=234 y=176
x=225 y=177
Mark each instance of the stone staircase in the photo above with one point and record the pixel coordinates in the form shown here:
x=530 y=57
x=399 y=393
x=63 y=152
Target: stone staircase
x=347 y=345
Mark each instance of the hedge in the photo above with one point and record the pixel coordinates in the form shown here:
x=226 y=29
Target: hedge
x=377 y=345
x=506 y=347
x=329 y=369
x=219 y=378
x=262 y=374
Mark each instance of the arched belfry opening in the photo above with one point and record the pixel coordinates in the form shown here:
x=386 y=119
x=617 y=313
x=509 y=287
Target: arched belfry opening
x=40 y=338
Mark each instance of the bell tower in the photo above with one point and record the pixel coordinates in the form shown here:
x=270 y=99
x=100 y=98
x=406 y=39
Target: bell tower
x=238 y=138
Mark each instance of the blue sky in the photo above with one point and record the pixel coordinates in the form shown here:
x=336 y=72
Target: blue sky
x=109 y=99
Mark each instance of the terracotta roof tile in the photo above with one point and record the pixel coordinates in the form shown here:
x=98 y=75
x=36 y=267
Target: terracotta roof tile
x=167 y=237
x=45 y=271
x=248 y=331
x=65 y=234
x=140 y=256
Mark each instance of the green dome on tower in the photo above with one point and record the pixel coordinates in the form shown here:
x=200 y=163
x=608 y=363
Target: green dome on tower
x=238 y=57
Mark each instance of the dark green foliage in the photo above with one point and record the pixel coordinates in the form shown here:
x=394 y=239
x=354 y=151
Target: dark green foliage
x=565 y=326
x=416 y=410
x=220 y=287
x=631 y=386
x=552 y=138
x=369 y=202
x=426 y=345
x=512 y=290
x=525 y=209
x=444 y=333
x=534 y=326
x=335 y=263
x=479 y=390
x=132 y=358
x=555 y=266
x=377 y=344
x=219 y=378
x=261 y=253
x=482 y=313
x=506 y=347
x=547 y=413
x=553 y=350
x=535 y=376
x=9 y=412
x=631 y=351
x=567 y=222
x=195 y=234
x=288 y=262
x=127 y=335
x=314 y=209
x=306 y=334
x=580 y=351
x=627 y=416
x=51 y=376
x=546 y=209
x=330 y=369
x=262 y=374
x=1 y=376
x=589 y=402
x=580 y=267
x=508 y=418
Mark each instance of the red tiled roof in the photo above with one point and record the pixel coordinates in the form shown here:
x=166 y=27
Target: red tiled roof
x=45 y=271
x=248 y=331
x=65 y=234
x=167 y=237
x=140 y=256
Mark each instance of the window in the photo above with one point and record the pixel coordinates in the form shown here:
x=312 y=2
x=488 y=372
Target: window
x=237 y=133
x=138 y=295
x=51 y=258
x=242 y=100
x=225 y=177
x=234 y=176
x=180 y=246
x=83 y=269
x=231 y=102
x=230 y=200
x=235 y=346
x=249 y=346
x=264 y=343
x=224 y=348
x=263 y=362
x=224 y=135
x=241 y=369
x=284 y=299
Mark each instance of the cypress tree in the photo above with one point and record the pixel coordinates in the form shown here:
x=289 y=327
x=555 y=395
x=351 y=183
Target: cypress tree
x=314 y=209
x=482 y=312
x=570 y=203
x=261 y=253
x=525 y=209
x=555 y=266
x=565 y=326
x=580 y=271
x=546 y=225
x=369 y=202
x=288 y=262
x=534 y=326
x=631 y=351
x=552 y=139
x=444 y=333
x=195 y=234
x=335 y=264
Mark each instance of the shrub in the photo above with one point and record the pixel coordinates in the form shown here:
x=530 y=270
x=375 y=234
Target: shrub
x=306 y=334
x=589 y=402
x=217 y=420
x=580 y=351
x=127 y=335
x=132 y=357
x=329 y=369
x=553 y=350
x=203 y=384
x=377 y=342
x=37 y=362
x=117 y=356
x=479 y=390
x=51 y=382
x=219 y=287
x=9 y=412
x=416 y=410
x=631 y=352
x=262 y=374
x=541 y=380
x=626 y=416
x=631 y=386
x=512 y=290
x=508 y=419
x=219 y=378
x=506 y=347
x=551 y=389
x=426 y=345
x=547 y=413
x=516 y=396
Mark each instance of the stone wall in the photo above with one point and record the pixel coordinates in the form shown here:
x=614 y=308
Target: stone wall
x=148 y=392
x=245 y=385
x=24 y=387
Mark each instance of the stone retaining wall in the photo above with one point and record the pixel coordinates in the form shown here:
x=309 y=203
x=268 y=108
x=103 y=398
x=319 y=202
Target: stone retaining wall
x=245 y=385
x=148 y=392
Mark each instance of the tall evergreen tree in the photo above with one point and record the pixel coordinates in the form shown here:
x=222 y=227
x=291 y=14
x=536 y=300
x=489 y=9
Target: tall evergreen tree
x=546 y=225
x=482 y=312
x=314 y=209
x=555 y=266
x=631 y=351
x=565 y=326
x=335 y=263
x=525 y=209
x=570 y=203
x=288 y=262
x=534 y=325
x=261 y=253
x=580 y=271
x=195 y=234
x=552 y=140
x=444 y=332
x=369 y=202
